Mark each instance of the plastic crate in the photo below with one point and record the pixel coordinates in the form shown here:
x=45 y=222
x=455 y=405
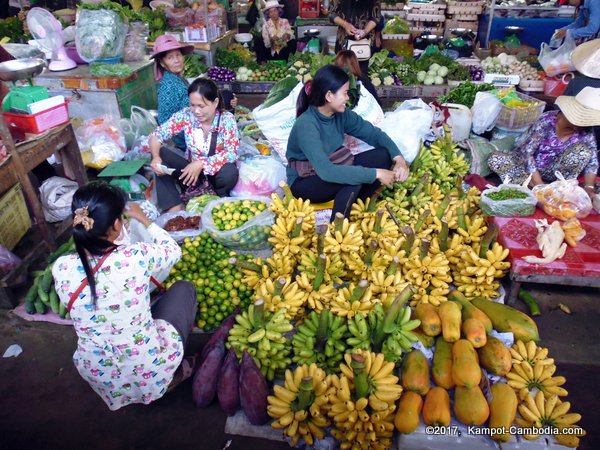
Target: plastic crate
x=253 y=87
x=464 y=8
x=14 y=218
x=398 y=91
x=518 y=118
x=309 y=9
x=39 y=122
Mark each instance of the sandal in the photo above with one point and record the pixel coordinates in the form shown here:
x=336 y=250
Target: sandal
x=185 y=370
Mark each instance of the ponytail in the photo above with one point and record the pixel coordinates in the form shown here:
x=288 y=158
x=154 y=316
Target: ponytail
x=328 y=78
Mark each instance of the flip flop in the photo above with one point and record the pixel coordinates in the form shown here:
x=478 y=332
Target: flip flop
x=185 y=370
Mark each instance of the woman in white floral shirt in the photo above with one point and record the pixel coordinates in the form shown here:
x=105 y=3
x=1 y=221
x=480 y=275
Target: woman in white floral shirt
x=125 y=351
x=276 y=32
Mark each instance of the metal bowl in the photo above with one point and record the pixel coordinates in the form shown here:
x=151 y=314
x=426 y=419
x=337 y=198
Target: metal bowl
x=512 y=29
x=20 y=69
x=431 y=38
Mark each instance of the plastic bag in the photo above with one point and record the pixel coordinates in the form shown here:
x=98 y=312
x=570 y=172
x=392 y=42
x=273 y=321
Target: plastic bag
x=197 y=204
x=179 y=236
x=480 y=149
x=8 y=260
x=557 y=61
x=56 y=195
x=460 y=121
x=367 y=108
x=179 y=17
x=510 y=206
x=99 y=34
x=485 y=112
x=140 y=124
x=100 y=142
x=259 y=176
x=253 y=235
x=563 y=199
x=138 y=233
x=134 y=48
x=407 y=126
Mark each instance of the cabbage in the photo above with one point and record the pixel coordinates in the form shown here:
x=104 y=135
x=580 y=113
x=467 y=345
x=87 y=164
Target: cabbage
x=428 y=80
x=442 y=71
x=421 y=76
x=438 y=80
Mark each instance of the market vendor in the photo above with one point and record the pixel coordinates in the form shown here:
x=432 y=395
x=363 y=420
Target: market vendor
x=559 y=141
x=277 y=33
x=319 y=168
x=587 y=23
x=212 y=141
x=172 y=87
x=127 y=352
x=347 y=60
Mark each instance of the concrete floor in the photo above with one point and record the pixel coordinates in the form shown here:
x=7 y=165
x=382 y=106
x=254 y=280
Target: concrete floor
x=44 y=404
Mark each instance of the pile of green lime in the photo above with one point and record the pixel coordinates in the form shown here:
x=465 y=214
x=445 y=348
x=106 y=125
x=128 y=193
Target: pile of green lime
x=232 y=215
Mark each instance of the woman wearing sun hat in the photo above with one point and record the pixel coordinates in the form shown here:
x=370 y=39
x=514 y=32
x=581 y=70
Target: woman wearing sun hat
x=172 y=87
x=277 y=33
x=559 y=141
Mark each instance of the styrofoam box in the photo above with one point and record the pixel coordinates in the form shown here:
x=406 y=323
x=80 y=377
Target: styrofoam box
x=420 y=440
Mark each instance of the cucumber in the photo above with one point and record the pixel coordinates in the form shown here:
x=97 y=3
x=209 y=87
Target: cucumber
x=54 y=302
x=32 y=293
x=46 y=282
x=40 y=308
x=62 y=309
x=43 y=296
x=67 y=247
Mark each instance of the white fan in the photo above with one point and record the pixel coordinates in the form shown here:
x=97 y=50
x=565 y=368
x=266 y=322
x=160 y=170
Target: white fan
x=48 y=33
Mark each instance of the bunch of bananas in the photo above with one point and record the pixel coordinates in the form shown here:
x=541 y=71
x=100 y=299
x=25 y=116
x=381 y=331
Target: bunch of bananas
x=531 y=353
x=300 y=406
x=541 y=411
x=389 y=283
x=343 y=237
x=318 y=294
x=288 y=236
x=363 y=263
x=321 y=340
x=363 y=400
x=294 y=208
x=282 y=294
x=354 y=299
x=334 y=266
x=429 y=274
x=524 y=377
x=377 y=226
x=257 y=271
x=261 y=334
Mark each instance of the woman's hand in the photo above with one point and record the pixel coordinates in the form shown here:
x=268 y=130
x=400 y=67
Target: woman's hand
x=134 y=211
x=156 y=161
x=386 y=177
x=536 y=179
x=189 y=175
x=400 y=169
x=351 y=30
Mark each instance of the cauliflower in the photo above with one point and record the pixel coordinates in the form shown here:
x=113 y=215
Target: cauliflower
x=306 y=78
x=388 y=81
x=298 y=64
x=376 y=82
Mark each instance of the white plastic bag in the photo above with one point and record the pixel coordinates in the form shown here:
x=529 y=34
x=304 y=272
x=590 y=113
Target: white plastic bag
x=485 y=112
x=557 y=61
x=460 y=121
x=56 y=195
x=138 y=233
x=407 y=126
x=179 y=236
x=259 y=175
x=367 y=108
x=103 y=139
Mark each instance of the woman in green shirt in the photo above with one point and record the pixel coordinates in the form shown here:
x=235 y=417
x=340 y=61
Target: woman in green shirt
x=319 y=169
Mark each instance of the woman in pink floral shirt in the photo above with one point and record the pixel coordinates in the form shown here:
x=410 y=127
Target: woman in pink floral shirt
x=212 y=142
x=127 y=352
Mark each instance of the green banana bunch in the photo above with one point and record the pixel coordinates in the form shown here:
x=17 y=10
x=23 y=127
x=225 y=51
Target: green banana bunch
x=262 y=335
x=320 y=339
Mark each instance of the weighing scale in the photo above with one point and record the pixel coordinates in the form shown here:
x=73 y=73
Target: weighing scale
x=19 y=97
x=426 y=39
x=462 y=41
x=311 y=38
x=512 y=40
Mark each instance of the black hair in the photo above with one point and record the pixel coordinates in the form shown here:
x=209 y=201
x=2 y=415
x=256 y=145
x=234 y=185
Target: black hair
x=208 y=89
x=328 y=78
x=105 y=204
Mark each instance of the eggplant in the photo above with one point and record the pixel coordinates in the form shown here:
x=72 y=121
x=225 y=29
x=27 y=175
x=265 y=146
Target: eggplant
x=253 y=391
x=220 y=334
x=204 y=387
x=228 y=391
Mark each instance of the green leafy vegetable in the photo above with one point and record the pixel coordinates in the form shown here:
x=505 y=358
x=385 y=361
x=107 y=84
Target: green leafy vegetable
x=226 y=58
x=193 y=65
x=464 y=94
x=102 y=70
x=280 y=90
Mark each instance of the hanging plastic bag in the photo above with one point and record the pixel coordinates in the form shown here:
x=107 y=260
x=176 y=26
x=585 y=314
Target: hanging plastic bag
x=99 y=34
x=253 y=235
x=100 y=141
x=258 y=176
x=179 y=236
x=508 y=200
x=56 y=195
x=555 y=86
x=557 y=61
x=563 y=199
x=485 y=112
x=139 y=125
x=460 y=121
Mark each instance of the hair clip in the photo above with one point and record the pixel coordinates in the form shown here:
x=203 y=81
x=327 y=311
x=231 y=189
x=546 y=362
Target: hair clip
x=82 y=218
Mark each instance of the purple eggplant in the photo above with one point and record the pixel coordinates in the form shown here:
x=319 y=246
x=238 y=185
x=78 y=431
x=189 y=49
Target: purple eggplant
x=253 y=391
x=220 y=334
x=204 y=387
x=228 y=390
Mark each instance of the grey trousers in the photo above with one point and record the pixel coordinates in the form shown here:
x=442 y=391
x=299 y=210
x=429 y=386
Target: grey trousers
x=177 y=305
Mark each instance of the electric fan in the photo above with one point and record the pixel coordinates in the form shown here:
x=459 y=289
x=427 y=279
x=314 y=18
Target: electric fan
x=48 y=33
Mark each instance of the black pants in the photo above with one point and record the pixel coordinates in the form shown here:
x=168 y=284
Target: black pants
x=316 y=190
x=166 y=185
x=177 y=305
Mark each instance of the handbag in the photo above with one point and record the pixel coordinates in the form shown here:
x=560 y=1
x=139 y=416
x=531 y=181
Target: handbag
x=341 y=157
x=362 y=48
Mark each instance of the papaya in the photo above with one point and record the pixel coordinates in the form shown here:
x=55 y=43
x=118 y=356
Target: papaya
x=465 y=364
x=505 y=318
x=450 y=315
x=469 y=310
x=431 y=324
x=441 y=368
x=503 y=409
x=436 y=409
x=415 y=372
x=495 y=357
x=427 y=341
x=408 y=415
x=474 y=331
x=470 y=405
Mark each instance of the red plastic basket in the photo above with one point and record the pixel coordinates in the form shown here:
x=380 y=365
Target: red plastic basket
x=38 y=122
x=309 y=9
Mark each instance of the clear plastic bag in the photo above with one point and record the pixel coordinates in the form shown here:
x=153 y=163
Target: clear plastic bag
x=511 y=206
x=485 y=112
x=100 y=142
x=557 y=61
x=135 y=42
x=563 y=199
x=99 y=34
x=179 y=236
x=253 y=235
x=8 y=260
x=259 y=176
x=180 y=17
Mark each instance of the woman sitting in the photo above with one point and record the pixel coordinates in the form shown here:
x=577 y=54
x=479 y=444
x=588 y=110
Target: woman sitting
x=319 y=168
x=277 y=34
x=560 y=141
x=212 y=141
x=127 y=352
x=347 y=60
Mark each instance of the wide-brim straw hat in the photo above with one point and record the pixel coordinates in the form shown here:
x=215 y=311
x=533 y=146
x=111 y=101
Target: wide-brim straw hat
x=272 y=4
x=166 y=43
x=582 y=110
x=586 y=58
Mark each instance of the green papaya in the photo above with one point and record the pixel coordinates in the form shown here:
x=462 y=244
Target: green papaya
x=507 y=319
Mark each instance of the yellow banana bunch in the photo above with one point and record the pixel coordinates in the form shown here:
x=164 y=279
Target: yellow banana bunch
x=523 y=377
x=319 y=296
x=530 y=352
x=289 y=207
x=362 y=264
x=399 y=204
x=280 y=265
x=474 y=231
x=458 y=162
x=288 y=238
x=429 y=274
x=343 y=237
x=334 y=267
x=387 y=285
x=540 y=411
x=353 y=299
x=363 y=209
x=475 y=276
x=379 y=226
x=300 y=406
x=282 y=294
x=363 y=400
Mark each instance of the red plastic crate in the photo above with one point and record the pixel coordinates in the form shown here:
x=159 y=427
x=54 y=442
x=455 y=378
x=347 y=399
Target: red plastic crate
x=38 y=122
x=309 y=9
